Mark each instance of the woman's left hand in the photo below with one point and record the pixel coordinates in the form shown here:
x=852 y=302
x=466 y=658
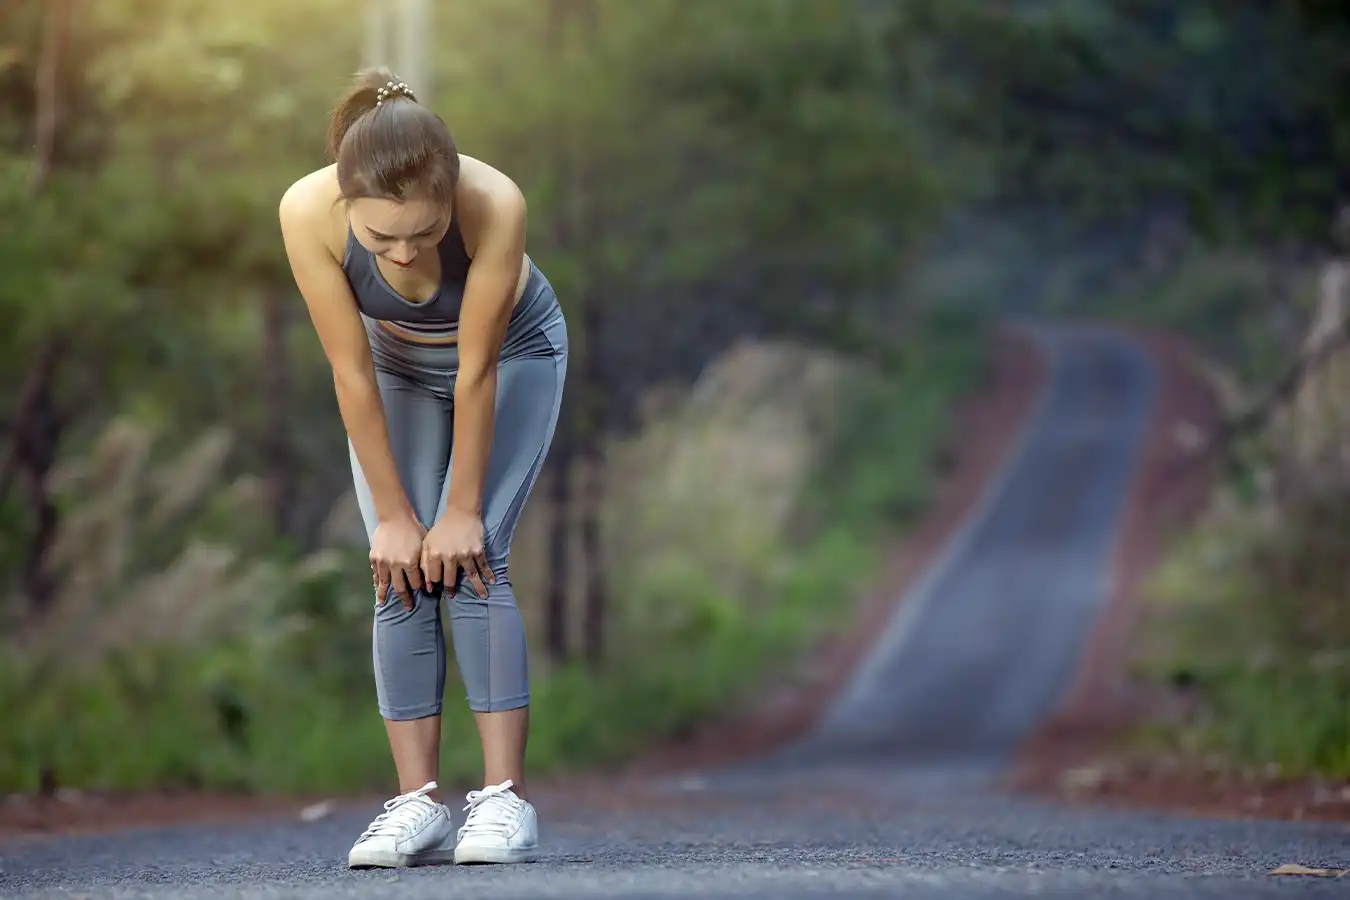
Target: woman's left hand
x=453 y=543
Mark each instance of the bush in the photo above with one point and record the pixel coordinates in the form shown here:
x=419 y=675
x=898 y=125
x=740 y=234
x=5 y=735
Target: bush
x=1252 y=610
x=738 y=526
x=1253 y=607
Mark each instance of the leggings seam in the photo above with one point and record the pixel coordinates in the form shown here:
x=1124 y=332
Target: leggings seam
x=492 y=621
x=504 y=704
x=381 y=652
x=410 y=713
x=513 y=509
x=522 y=491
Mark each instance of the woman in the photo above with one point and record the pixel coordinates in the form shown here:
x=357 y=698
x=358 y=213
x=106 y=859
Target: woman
x=442 y=335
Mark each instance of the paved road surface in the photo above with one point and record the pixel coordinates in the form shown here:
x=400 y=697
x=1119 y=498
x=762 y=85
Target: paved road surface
x=891 y=797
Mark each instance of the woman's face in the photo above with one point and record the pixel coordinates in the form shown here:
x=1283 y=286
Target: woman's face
x=398 y=231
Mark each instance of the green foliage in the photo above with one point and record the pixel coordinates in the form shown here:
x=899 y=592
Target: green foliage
x=889 y=483
x=684 y=144
x=214 y=703
x=1112 y=109
x=765 y=160
x=772 y=148
x=1250 y=612
x=1243 y=310
x=706 y=136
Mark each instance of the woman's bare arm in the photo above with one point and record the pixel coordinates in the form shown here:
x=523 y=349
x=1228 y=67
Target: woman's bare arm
x=489 y=299
x=332 y=308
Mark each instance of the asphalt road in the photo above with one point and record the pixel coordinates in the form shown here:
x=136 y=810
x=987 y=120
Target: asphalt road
x=891 y=797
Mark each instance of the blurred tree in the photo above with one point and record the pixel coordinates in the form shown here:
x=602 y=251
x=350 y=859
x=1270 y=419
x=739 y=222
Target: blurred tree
x=1236 y=110
x=35 y=433
x=595 y=296
x=695 y=171
x=561 y=454
x=131 y=236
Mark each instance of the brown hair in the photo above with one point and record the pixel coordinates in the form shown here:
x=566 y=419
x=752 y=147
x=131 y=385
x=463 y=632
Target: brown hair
x=389 y=146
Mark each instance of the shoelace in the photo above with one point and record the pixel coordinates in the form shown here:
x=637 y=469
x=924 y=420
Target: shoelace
x=491 y=810
x=397 y=817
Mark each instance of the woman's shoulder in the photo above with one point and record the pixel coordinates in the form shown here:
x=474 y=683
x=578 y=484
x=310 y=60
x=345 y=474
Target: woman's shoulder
x=310 y=210
x=485 y=196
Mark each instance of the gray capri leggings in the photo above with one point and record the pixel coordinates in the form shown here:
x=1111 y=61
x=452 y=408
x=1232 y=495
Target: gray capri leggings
x=417 y=387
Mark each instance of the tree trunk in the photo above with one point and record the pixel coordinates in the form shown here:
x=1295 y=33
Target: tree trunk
x=36 y=436
x=590 y=231
x=278 y=448
x=559 y=567
x=38 y=578
x=47 y=125
x=31 y=396
x=560 y=461
x=597 y=601
x=35 y=439
x=592 y=430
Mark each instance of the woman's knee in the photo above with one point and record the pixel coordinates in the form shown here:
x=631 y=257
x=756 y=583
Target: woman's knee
x=490 y=646
x=409 y=658
x=500 y=590
x=393 y=614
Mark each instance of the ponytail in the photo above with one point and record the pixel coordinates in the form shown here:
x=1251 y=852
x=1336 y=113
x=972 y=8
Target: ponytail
x=388 y=145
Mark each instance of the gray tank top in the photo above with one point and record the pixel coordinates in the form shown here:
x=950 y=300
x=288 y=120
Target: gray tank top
x=377 y=299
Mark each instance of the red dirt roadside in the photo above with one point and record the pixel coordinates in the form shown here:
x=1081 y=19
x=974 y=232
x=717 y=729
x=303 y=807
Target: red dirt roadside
x=1077 y=755
x=984 y=430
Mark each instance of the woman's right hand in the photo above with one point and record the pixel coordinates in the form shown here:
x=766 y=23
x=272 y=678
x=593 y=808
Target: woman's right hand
x=396 y=559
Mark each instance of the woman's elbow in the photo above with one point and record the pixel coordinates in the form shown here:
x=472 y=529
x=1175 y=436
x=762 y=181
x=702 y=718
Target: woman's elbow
x=475 y=380
x=476 y=389
x=351 y=381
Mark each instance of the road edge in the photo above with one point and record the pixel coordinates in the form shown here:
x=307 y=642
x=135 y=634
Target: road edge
x=1168 y=489
x=986 y=427
x=1074 y=755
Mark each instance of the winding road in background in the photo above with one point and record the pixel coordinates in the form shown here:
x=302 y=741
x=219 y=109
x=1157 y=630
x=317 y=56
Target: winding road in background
x=891 y=795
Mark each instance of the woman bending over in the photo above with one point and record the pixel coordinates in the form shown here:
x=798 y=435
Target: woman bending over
x=448 y=350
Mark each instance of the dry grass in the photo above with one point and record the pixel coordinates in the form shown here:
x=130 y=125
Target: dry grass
x=125 y=510
x=1254 y=607
x=179 y=622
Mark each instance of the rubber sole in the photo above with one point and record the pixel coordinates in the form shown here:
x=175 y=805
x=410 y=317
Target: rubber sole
x=472 y=856
x=385 y=859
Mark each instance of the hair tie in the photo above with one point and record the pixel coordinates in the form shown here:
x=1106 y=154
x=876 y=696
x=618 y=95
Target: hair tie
x=393 y=89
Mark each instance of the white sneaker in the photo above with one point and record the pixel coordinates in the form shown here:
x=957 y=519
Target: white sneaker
x=412 y=831
x=500 y=828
